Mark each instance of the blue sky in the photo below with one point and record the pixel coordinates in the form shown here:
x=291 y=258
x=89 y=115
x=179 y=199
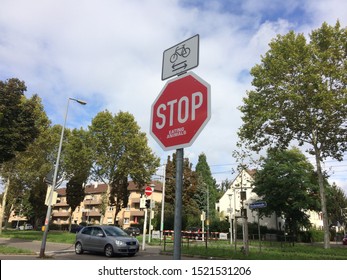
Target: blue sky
x=109 y=53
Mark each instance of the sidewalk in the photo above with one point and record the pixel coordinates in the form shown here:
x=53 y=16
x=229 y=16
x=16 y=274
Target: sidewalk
x=34 y=246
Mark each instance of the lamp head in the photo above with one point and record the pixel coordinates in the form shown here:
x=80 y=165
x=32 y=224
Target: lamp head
x=78 y=101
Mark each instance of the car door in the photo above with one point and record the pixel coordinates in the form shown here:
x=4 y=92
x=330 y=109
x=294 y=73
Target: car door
x=97 y=239
x=84 y=237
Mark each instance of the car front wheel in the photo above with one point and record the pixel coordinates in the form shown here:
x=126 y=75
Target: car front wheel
x=108 y=250
x=78 y=248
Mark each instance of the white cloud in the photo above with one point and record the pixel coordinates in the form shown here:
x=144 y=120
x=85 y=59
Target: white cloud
x=109 y=53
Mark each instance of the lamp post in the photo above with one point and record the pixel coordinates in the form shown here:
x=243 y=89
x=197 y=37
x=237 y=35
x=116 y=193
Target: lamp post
x=50 y=197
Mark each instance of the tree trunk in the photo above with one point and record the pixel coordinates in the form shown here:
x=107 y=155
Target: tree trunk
x=70 y=219
x=2 y=211
x=323 y=200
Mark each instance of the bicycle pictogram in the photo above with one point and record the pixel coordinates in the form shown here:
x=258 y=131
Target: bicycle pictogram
x=180 y=51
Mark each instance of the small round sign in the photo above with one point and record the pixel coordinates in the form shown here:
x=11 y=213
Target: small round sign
x=148 y=191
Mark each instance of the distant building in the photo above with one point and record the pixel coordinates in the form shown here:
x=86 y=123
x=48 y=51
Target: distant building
x=231 y=204
x=90 y=209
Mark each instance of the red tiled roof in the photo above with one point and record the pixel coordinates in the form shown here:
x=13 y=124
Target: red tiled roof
x=102 y=188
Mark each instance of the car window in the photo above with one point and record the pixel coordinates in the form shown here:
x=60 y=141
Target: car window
x=114 y=231
x=87 y=231
x=97 y=231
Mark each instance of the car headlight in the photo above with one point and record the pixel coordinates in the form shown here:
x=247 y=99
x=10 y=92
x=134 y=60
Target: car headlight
x=120 y=243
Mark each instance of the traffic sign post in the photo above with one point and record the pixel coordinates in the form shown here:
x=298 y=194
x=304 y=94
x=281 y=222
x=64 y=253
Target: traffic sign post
x=256 y=206
x=180 y=112
x=148 y=192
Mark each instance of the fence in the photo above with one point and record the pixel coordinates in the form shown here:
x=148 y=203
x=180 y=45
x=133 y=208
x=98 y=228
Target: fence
x=189 y=238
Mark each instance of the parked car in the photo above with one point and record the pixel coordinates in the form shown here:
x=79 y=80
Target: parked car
x=107 y=239
x=132 y=231
x=76 y=228
x=344 y=240
x=194 y=233
x=26 y=227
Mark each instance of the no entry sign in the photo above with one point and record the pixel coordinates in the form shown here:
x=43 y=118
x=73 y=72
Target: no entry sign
x=148 y=191
x=181 y=111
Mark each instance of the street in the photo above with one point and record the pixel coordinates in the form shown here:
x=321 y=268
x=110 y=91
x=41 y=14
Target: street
x=142 y=255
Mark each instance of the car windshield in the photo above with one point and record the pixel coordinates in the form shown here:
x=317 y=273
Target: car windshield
x=114 y=231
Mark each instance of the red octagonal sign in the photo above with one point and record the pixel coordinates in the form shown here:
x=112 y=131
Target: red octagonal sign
x=181 y=111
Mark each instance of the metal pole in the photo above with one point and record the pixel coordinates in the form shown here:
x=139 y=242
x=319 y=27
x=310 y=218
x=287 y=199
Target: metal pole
x=178 y=205
x=259 y=232
x=162 y=205
x=244 y=218
x=203 y=225
x=208 y=213
x=235 y=221
x=230 y=220
x=49 y=208
x=150 y=217
x=50 y=197
x=144 y=231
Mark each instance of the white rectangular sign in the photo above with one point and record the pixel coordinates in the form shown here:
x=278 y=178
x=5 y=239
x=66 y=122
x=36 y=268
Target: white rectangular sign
x=181 y=58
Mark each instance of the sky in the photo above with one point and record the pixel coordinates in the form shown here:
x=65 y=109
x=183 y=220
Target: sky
x=109 y=53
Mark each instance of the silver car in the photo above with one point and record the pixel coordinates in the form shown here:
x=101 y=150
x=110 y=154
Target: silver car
x=107 y=239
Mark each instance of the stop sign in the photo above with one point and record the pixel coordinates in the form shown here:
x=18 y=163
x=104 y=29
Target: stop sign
x=181 y=111
x=148 y=191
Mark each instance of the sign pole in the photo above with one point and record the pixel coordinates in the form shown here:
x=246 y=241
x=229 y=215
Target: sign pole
x=144 y=232
x=178 y=205
x=259 y=231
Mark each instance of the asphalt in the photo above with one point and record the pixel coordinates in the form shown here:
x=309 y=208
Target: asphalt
x=51 y=248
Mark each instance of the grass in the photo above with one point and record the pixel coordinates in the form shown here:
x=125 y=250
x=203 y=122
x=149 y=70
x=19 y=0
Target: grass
x=215 y=249
x=8 y=250
x=269 y=251
x=52 y=236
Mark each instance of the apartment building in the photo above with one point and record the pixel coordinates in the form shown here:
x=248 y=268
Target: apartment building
x=96 y=198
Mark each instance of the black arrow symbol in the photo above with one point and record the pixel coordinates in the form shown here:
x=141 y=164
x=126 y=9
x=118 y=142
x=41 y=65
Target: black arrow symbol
x=179 y=66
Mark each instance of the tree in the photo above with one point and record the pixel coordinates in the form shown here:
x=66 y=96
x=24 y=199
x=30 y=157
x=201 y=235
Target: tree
x=77 y=156
x=208 y=184
x=120 y=152
x=300 y=95
x=17 y=119
x=288 y=183
x=190 y=212
x=25 y=172
x=336 y=204
x=77 y=164
x=74 y=194
x=223 y=187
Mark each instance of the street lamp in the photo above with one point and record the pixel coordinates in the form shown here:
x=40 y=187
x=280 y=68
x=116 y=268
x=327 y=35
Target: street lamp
x=50 y=198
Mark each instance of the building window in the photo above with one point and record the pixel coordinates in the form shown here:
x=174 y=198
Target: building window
x=126 y=221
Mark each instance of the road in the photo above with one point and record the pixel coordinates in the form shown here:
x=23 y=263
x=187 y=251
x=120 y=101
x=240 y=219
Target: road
x=62 y=251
